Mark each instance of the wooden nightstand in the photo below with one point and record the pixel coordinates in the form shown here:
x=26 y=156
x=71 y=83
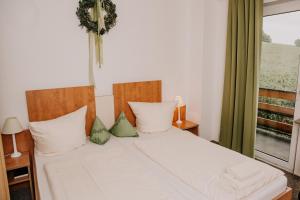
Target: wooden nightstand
x=18 y=170
x=188 y=126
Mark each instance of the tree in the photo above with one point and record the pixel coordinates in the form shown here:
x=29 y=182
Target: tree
x=297 y=43
x=266 y=38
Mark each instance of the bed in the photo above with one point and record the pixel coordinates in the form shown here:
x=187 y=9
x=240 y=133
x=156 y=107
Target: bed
x=151 y=177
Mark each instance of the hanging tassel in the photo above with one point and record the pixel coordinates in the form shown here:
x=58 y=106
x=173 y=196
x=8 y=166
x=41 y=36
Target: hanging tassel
x=96 y=41
x=101 y=25
x=97 y=48
x=101 y=50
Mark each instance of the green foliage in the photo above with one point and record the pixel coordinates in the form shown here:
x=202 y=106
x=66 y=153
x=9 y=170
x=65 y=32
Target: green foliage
x=279 y=71
x=266 y=38
x=277 y=102
x=297 y=43
x=275 y=117
x=279 y=67
x=284 y=81
x=86 y=21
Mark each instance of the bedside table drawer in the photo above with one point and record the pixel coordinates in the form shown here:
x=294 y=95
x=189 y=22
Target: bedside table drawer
x=19 y=175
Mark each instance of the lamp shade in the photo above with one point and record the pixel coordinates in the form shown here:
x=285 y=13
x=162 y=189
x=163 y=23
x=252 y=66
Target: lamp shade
x=12 y=126
x=179 y=101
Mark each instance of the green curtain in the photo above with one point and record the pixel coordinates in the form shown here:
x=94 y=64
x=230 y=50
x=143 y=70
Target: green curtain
x=239 y=108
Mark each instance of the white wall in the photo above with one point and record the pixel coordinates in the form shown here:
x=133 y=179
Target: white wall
x=41 y=46
x=207 y=61
x=195 y=59
x=183 y=44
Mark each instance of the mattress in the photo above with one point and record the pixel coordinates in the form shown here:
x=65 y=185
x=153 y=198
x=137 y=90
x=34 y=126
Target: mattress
x=180 y=189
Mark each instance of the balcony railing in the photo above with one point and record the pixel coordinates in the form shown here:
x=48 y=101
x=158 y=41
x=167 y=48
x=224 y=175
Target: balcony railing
x=281 y=110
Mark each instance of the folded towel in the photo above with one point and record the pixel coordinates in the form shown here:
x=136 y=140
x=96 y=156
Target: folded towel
x=240 y=185
x=244 y=170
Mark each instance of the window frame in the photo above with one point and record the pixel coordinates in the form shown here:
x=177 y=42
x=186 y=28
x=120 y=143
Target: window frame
x=276 y=7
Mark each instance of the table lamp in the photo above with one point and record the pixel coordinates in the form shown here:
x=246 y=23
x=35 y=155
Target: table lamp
x=180 y=103
x=11 y=127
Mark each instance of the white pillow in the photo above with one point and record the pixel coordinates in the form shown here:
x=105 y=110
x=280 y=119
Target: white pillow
x=56 y=136
x=153 y=117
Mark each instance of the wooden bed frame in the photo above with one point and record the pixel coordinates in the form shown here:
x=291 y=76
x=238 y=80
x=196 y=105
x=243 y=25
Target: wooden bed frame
x=51 y=103
x=146 y=91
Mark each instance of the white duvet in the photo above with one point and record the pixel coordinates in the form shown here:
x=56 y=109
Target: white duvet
x=202 y=165
x=115 y=172
x=110 y=175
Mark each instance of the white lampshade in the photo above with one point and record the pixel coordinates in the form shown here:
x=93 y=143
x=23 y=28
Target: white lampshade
x=12 y=126
x=179 y=101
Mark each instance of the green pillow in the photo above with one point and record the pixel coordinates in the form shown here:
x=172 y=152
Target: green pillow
x=123 y=128
x=99 y=134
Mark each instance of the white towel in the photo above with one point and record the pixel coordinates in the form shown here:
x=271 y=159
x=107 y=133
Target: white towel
x=240 y=185
x=244 y=170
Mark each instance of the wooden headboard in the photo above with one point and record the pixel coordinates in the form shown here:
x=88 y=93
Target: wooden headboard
x=52 y=103
x=146 y=91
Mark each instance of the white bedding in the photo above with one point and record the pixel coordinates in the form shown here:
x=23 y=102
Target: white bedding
x=165 y=184
x=111 y=174
x=190 y=159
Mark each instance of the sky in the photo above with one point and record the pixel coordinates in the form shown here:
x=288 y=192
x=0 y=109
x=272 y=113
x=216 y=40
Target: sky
x=283 y=28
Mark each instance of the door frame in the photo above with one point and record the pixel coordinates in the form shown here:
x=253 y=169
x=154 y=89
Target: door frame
x=281 y=7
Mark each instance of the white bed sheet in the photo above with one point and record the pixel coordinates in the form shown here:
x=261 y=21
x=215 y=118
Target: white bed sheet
x=180 y=189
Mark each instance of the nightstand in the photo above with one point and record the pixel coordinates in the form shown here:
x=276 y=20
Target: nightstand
x=188 y=126
x=18 y=170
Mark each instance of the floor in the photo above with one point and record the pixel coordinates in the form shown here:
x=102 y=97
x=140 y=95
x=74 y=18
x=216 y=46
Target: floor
x=294 y=182
x=273 y=146
x=20 y=192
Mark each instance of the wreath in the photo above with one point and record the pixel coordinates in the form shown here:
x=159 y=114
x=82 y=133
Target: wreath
x=86 y=20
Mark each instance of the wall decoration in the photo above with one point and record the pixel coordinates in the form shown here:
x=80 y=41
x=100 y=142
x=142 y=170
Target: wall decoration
x=98 y=17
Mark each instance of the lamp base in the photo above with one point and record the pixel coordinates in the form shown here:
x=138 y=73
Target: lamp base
x=178 y=122
x=15 y=154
